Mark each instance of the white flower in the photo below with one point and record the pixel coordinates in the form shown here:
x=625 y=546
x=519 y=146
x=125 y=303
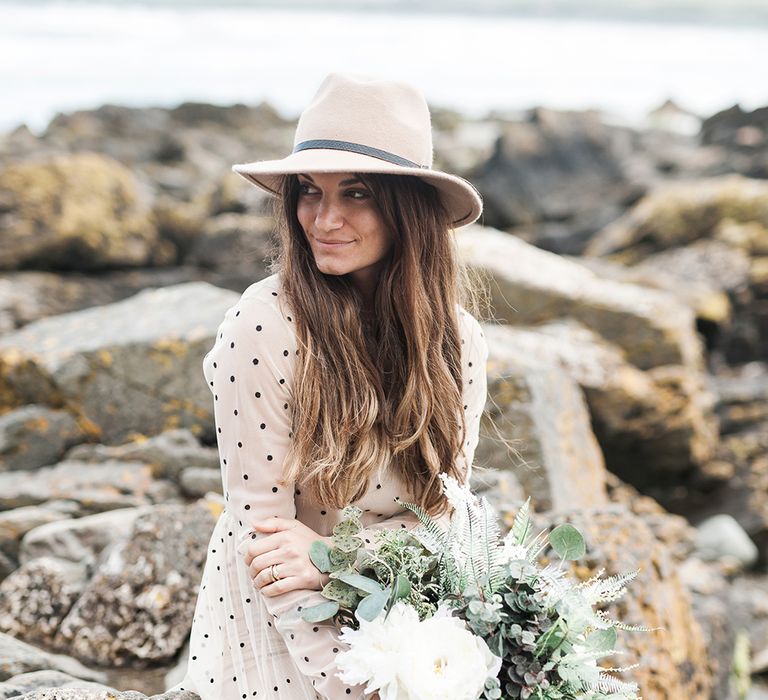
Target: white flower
x=374 y=650
x=405 y=659
x=456 y=493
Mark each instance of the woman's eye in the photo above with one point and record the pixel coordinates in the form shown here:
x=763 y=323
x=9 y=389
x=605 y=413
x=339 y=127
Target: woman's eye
x=306 y=188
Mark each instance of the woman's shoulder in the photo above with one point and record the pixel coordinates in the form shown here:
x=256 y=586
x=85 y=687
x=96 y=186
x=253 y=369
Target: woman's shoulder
x=262 y=311
x=468 y=324
x=471 y=330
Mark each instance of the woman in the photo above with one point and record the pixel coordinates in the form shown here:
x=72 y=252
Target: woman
x=352 y=374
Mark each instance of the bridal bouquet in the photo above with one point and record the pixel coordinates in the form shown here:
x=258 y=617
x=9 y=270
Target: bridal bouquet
x=462 y=613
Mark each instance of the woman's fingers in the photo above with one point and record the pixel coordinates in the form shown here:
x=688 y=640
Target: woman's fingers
x=264 y=577
x=264 y=561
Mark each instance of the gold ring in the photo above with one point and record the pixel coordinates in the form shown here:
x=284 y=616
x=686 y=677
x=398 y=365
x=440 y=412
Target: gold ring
x=275 y=577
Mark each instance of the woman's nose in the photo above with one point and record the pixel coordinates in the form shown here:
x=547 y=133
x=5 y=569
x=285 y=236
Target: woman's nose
x=329 y=216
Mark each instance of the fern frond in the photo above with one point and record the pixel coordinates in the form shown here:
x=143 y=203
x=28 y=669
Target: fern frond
x=428 y=532
x=521 y=526
x=608 y=684
x=599 y=590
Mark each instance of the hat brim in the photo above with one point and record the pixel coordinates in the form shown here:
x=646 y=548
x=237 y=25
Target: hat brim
x=463 y=201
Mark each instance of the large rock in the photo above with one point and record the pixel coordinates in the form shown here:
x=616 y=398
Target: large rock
x=130 y=367
x=169 y=453
x=137 y=609
x=709 y=230
x=29 y=295
x=35 y=598
x=19 y=657
x=34 y=436
x=17 y=522
x=645 y=435
x=557 y=166
x=80 y=540
x=81 y=211
x=745 y=136
x=23 y=683
x=77 y=690
x=705 y=275
x=94 y=487
x=540 y=411
x=679 y=213
x=530 y=286
x=235 y=246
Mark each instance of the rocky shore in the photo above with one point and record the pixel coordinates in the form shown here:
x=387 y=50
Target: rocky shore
x=628 y=376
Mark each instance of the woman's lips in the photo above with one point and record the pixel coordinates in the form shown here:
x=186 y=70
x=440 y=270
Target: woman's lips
x=331 y=245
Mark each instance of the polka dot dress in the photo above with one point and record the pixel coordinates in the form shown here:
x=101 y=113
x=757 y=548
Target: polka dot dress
x=244 y=644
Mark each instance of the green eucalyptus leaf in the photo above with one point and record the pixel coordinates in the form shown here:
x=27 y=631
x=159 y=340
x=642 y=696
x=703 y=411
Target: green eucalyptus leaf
x=362 y=583
x=351 y=512
x=347 y=543
x=602 y=640
x=322 y=611
x=567 y=541
x=402 y=587
x=341 y=592
x=370 y=606
x=347 y=528
x=319 y=553
x=341 y=559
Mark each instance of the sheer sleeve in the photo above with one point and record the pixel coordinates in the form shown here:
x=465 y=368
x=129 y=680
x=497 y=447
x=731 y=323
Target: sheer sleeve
x=475 y=392
x=251 y=367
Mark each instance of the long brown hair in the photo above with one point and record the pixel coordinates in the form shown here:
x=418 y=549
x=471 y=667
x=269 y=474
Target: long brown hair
x=392 y=395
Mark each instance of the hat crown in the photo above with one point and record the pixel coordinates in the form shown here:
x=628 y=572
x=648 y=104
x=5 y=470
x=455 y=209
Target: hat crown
x=386 y=115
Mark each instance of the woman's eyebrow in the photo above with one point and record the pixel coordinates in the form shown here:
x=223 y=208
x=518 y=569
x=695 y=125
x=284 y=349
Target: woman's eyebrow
x=348 y=181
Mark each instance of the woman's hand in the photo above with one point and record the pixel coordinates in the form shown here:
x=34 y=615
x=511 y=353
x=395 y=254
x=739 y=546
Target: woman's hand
x=288 y=547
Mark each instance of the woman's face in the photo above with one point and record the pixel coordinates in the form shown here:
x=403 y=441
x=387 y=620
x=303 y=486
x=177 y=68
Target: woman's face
x=343 y=226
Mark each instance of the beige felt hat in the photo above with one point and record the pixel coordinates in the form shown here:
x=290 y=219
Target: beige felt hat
x=357 y=123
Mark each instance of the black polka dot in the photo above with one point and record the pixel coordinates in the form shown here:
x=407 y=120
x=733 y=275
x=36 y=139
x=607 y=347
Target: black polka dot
x=258 y=328
x=274 y=489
